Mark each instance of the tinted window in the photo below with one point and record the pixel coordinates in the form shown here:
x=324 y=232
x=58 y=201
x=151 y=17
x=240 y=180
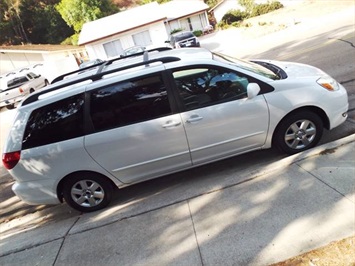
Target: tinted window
x=55 y=122
x=200 y=87
x=184 y=36
x=129 y=102
x=16 y=82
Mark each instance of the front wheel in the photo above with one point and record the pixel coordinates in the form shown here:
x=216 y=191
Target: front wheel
x=87 y=192
x=298 y=132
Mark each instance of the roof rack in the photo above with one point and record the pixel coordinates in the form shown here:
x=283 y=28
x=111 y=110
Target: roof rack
x=98 y=75
x=109 y=62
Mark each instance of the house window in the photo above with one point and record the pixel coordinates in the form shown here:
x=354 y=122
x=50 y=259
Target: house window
x=142 y=38
x=113 y=48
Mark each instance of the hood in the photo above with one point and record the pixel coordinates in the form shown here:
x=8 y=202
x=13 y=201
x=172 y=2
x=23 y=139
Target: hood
x=296 y=70
x=300 y=70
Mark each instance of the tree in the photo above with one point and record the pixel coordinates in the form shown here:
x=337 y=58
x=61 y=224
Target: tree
x=77 y=12
x=211 y=3
x=124 y=4
x=11 y=22
x=143 y=2
x=43 y=22
x=247 y=4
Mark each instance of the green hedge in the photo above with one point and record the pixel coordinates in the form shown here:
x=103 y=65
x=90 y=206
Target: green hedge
x=235 y=16
x=261 y=9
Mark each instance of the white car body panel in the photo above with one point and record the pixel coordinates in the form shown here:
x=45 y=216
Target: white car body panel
x=141 y=151
x=229 y=128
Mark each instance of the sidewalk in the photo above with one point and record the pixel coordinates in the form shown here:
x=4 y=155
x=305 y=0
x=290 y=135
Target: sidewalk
x=284 y=209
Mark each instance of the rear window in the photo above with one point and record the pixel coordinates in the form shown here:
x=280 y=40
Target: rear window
x=16 y=82
x=55 y=122
x=184 y=36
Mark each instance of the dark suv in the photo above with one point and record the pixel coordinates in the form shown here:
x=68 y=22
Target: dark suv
x=183 y=39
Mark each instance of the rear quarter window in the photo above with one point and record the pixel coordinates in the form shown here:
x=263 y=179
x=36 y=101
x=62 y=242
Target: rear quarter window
x=55 y=122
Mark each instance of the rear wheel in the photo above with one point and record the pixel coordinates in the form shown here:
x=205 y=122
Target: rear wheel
x=87 y=192
x=298 y=132
x=10 y=106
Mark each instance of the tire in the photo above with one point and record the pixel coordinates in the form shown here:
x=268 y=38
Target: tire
x=32 y=90
x=10 y=106
x=298 y=132
x=87 y=192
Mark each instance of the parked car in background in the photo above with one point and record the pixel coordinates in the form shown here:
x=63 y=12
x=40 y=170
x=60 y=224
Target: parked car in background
x=133 y=50
x=20 y=86
x=162 y=112
x=90 y=63
x=183 y=39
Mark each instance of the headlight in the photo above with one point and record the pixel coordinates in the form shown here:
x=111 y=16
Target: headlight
x=328 y=83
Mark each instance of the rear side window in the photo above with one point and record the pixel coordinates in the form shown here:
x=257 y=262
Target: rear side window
x=55 y=122
x=129 y=102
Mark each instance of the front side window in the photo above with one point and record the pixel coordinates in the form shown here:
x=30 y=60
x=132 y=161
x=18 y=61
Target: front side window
x=55 y=122
x=201 y=87
x=129 y=102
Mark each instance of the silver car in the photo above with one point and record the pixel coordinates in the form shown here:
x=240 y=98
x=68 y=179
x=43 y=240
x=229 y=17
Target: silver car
x=148 y=116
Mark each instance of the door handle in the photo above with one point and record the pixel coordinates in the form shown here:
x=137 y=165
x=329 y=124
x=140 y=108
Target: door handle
x=171 y=124
x=194 y=118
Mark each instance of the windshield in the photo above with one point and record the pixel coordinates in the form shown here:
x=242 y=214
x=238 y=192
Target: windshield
x=260 y=70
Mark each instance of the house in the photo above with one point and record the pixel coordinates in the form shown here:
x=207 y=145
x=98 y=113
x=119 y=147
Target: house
x=147 y=25
x=48 y=60
x=186 y=15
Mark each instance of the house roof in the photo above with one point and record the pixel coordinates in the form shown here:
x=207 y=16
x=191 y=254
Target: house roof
x=182 y=8
x=138 y=16
x=120 y=22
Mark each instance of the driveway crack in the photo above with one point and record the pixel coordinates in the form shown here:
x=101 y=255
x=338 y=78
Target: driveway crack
x=193 y=226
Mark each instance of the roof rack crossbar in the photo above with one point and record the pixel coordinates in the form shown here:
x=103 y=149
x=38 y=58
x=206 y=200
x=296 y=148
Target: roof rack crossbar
x=109 y=62
x=98 y=75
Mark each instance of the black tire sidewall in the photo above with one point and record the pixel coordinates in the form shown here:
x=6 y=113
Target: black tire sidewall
x=279 y=137
x=101 y=180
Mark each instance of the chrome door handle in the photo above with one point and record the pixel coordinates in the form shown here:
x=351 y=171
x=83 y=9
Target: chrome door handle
x=171 y=124
x=194 y=118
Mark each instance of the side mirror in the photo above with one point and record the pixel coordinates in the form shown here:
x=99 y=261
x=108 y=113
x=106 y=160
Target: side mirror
x=253 y=89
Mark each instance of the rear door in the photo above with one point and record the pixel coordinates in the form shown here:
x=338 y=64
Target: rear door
x=137 y=136
x=219 y=119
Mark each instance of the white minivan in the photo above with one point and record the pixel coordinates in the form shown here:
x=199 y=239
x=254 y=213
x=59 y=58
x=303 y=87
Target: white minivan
x=134 y=119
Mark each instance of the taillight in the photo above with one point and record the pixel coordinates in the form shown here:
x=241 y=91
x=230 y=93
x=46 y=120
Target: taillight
x=10 y=159
x=21 y=90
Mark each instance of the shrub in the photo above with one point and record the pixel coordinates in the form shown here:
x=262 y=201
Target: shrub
x=197 y=33
x=234 y=15
x=176 y=30
x=261 y=9
x=222 y=25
